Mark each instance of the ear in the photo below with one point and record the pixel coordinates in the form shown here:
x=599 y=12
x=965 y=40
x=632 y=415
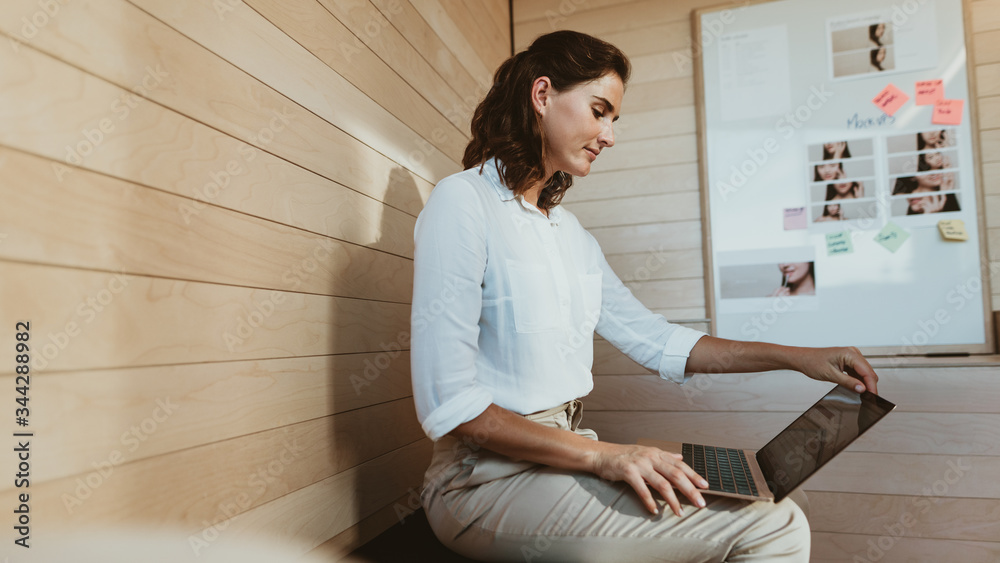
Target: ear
x=541 y=92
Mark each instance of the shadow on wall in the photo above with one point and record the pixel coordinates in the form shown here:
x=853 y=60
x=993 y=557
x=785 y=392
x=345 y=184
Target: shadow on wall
x=371 y=391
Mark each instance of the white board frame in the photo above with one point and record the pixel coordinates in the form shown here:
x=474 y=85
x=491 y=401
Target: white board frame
x=989 y=344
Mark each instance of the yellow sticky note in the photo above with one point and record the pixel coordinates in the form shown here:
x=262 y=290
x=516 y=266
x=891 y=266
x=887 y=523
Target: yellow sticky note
x=953 y=229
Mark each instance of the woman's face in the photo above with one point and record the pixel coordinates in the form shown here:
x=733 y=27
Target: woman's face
x=828 y=171
x=935 y=160
x=577 y=123
x=929 y=182
x=836 y=149
x=795 y=272
x=844 y=189
x=833 y=209
x=880 y=30
x=880 y=56
x=932 y=139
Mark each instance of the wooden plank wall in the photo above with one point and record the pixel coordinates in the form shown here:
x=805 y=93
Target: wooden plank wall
x=921 y=487
x=207 y=219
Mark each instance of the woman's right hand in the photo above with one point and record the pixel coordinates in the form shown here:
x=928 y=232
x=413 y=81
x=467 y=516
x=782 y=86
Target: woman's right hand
x=643 y=467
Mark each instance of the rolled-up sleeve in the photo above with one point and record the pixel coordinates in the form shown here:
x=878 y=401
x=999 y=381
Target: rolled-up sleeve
x=646 y=337
x=449 y=264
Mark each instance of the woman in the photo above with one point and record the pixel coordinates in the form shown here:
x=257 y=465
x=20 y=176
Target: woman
x=875 y=33
x=877 y=57
x=932 y=161
x=508 y=292
x=932 y=139
x=831 y=212
x=829 y=171
x=844 y=190
x=835 y=151
x=797 y=278
x=937 y=203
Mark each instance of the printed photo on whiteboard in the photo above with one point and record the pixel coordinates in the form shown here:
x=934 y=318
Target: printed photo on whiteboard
x=847 y=189
x=767 y=280
x=932 y=181
x=844 y=169
x=863 y=49
x=843 y=210
x=863 y=45
x=840 y=149
x=922 y=162
x=923 y=140
x=931 y=203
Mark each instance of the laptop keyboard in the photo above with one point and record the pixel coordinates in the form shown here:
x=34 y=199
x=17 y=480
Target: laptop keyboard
x=725 y=469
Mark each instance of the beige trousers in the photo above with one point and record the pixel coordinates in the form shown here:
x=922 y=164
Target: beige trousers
x=489 y=507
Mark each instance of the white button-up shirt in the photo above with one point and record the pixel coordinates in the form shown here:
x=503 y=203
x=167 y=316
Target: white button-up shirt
x=506 y=302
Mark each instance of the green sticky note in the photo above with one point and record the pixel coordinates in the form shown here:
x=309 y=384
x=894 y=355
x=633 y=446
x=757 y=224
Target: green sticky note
x=892 y=236
x=839 y=243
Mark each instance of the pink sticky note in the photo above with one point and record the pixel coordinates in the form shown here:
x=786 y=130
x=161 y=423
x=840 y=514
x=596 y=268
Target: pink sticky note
x=929 y=92
x=948 y=112
x=795 y=218
x=890 y=99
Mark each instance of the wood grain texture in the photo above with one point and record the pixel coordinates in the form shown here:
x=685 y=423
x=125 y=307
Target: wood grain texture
x=605 y=19
x=128 y=320
x=308 y=517
x=900 y=432
x=145 y=143
x=323 y=35
x=84 y=221
x=636 y=238
x=673 y=207
x=452 y=35
x=86 y=415
x=928 y=517
x=408 y=21
x=214 y=482
x=414 y=62
x=653 y=180
x=290 y=69
x=674 y=149
x=657 y=264
x=827 y=547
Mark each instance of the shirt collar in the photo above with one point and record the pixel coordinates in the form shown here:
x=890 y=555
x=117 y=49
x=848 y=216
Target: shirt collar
x=489 y=172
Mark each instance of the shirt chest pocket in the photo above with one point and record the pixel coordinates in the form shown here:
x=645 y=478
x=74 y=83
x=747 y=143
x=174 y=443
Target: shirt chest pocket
x=534 y=297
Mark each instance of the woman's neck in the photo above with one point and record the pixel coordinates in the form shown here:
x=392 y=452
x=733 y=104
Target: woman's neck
x=533 y=193
x=806 y=284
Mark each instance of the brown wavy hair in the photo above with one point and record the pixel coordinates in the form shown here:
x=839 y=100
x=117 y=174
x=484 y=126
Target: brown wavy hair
x=505 y=124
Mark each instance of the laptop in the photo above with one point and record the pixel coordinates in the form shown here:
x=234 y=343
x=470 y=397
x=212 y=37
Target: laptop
x=797 y=452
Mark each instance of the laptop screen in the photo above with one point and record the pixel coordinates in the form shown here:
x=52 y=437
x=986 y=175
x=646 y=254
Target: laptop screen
x=816 y=436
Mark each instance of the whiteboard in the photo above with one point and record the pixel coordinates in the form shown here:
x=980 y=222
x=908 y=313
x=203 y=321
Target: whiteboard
x=822 y=209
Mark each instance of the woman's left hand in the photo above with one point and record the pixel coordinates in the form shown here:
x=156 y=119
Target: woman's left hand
x=843 y=366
